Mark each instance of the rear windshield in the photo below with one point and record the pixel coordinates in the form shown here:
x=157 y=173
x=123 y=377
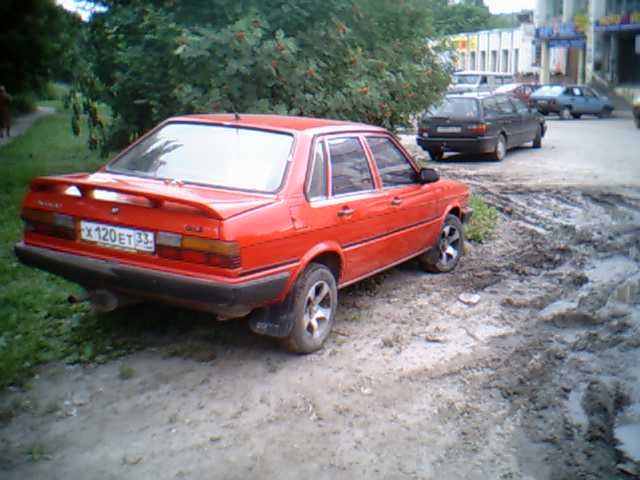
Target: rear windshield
x=551 y=90
x=466 y=79
x=221 y=156
x=453 y=107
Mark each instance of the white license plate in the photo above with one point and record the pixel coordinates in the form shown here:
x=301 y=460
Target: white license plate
x=542 y=102
x=449 y=129
x=117 y=237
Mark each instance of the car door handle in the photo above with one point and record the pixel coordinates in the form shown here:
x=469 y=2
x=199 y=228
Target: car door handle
x=395 y=201
x=345 y=212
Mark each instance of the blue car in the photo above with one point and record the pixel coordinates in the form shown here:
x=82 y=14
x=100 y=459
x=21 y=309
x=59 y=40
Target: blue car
x=571 y=101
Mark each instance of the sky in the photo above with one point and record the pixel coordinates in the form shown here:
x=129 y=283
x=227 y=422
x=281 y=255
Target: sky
x=495 y=6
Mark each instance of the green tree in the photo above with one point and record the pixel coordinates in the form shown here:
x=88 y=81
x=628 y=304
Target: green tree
x=35 y=36
x=365 y=60
x=467 y=16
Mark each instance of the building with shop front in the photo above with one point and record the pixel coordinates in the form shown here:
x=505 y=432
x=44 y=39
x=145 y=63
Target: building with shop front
x=506 y=50
x=586 y=41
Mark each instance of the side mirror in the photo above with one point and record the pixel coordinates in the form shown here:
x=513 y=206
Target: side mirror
x=428 y=175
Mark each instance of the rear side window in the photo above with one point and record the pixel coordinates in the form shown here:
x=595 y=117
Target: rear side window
x=453 y=107
x=317 y=186
x=490 y=106
x=504 y=105
x=350 y=170
x=393 y=166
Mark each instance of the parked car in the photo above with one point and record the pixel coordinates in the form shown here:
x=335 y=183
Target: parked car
x=240 y=214
x=473 y=81
x=479 y=124
x=571 y=101
x=636 y=112
x=521 y=90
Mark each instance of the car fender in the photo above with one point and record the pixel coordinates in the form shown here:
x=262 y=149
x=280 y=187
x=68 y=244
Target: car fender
x=327 y=247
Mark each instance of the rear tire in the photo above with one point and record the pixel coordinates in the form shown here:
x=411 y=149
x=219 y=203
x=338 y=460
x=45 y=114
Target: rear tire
x=576 y=115
x=313 y=306
x=637 y=120
x=500 y=150
x=565 y=113
x=447 y=252
x=537 y=140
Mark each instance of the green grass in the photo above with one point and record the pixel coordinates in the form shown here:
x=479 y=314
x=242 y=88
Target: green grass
x=37 y=324
x=483 y=221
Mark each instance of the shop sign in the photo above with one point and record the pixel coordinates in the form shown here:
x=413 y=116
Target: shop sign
x=568 y=30
x=618 y=23
x=464 y=43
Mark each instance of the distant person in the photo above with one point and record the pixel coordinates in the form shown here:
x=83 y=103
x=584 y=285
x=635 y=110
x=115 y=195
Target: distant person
x=5 y=112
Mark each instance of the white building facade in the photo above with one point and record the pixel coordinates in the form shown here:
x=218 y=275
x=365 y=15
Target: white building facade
x=500 y=50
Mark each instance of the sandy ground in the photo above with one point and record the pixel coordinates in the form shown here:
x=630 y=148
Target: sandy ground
x=538 y=380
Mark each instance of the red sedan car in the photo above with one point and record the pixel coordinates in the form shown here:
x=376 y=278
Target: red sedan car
x=245 y=214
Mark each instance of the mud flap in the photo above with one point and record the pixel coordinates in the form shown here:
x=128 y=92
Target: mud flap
x=273 y=321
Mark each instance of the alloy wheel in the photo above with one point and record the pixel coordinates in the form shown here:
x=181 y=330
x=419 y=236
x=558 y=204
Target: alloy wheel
x=317 y=309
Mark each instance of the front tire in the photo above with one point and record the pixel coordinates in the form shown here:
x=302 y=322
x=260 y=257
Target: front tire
x=313 y=307
x=605 y=113
x=576 y=115
x=446 y=254
x=637 y=120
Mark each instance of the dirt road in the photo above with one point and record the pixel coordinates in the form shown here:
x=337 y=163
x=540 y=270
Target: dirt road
x=538 y=380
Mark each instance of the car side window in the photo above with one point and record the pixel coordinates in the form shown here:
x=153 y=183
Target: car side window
x=317 y=184
x=490 y=106
x=504 y=105
x=577 y=92
x=483 y=80
x=350 y=170
x=519 y=105
x=393 y=166
x=568 y=91
x=589 y=93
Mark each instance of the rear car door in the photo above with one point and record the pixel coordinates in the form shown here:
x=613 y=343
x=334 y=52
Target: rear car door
x=529 y=121
x=410 y=225
x=578 y=101
x=510 y=120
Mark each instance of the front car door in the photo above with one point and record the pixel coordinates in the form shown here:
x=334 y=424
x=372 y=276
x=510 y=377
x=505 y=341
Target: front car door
x=411 y=223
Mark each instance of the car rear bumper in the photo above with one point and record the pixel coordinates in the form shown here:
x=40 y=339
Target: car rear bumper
x=462 y=145
x=145 y=283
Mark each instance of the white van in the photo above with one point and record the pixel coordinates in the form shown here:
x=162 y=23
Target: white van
x=472 y=81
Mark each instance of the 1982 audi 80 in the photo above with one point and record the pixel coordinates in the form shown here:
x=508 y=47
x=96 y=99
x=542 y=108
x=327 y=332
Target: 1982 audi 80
x=259 y=215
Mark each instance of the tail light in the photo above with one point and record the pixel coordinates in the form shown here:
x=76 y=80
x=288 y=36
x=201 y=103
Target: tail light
x=49 y=223
x=217 y=253
x=478 y=129
x=423 y=132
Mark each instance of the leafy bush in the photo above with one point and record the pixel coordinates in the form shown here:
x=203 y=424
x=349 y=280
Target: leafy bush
x=364 y=60
x=483 y=221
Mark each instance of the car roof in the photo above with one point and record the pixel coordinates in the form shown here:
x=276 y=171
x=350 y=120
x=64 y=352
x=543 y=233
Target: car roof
x=279 y=122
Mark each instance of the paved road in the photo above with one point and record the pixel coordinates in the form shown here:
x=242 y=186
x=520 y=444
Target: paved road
x=589 y=151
